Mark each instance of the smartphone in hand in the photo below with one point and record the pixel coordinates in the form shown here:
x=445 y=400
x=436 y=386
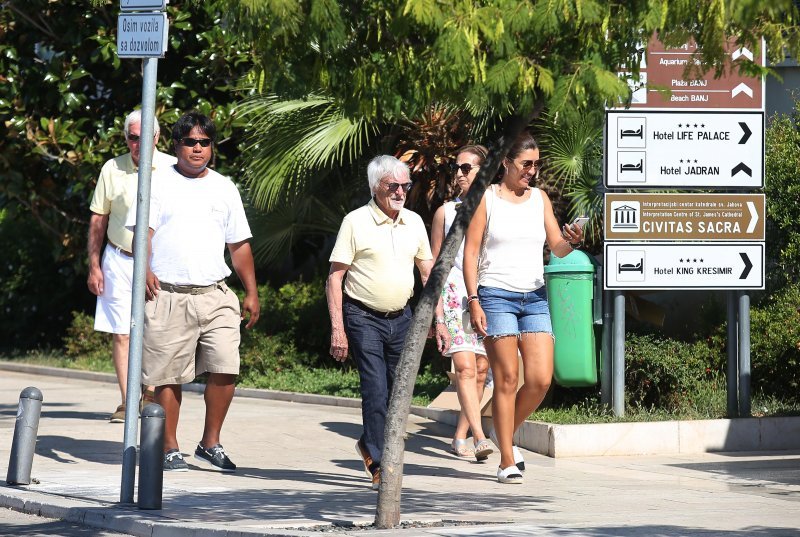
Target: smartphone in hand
x=580 y=221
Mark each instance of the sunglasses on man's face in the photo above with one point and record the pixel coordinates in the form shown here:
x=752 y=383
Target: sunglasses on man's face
x=191 y=142
x=133 y=137
x=535 y=164
x=465 y=168
x=392 y=187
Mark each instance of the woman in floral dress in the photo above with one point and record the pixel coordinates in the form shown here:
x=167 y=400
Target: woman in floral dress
x=467 y=353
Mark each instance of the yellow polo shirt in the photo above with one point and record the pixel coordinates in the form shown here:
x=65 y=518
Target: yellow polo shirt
x=381 y=254
x=116 y=191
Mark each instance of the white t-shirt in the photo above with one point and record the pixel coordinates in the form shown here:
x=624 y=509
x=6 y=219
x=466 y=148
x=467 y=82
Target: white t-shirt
x=192 y=221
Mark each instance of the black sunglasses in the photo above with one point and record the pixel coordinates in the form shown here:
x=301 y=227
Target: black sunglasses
x=465 y=168
x=536 y=164
x=133 y=137
x=394 y=186
x=191 y=142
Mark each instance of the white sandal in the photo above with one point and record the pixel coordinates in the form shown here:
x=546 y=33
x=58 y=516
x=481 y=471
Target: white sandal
x=509 y=476
x=460 y=448
x=483 y=449
x=519 y=460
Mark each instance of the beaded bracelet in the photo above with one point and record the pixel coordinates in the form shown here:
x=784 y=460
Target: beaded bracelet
x=471 y=298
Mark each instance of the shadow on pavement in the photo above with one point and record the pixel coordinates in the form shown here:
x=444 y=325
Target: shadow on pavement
x=353 y=501
x=425 y=441
x=752 y=472
x=101 y=451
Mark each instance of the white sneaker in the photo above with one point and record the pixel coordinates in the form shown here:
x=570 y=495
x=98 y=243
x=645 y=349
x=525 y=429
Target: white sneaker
x=519 y=460
x=509 y=476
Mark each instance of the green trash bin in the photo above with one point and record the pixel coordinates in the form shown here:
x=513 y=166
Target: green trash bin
x=570 y=290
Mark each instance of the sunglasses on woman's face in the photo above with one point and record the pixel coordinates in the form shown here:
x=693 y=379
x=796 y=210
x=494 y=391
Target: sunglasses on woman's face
x=535 y=164
x=465 y=168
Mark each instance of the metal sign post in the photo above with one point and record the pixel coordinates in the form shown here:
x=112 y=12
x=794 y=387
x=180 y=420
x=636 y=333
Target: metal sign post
x=140 y=35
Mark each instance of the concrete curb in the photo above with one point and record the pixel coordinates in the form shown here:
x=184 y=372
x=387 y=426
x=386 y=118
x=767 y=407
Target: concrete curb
x=292 y=397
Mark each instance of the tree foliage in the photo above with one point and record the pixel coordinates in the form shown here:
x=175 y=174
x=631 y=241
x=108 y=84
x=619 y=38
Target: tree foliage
x=782 y=188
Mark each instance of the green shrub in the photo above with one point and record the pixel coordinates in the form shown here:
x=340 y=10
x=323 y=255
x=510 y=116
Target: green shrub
x=82 y=340
x=668 y=374
x=775 y=344
x=299 y=310
x=782 y=160
x=264 y=355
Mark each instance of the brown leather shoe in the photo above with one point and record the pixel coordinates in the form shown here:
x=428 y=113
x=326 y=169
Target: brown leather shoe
x=119 y=415
x=148 y=396
x=361 y=449
x=376 y=479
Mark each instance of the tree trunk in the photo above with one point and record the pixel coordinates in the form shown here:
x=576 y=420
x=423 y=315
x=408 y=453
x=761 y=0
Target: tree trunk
x=388 y=512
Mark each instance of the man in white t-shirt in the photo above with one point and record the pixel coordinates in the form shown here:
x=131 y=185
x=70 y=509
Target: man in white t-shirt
x=192 y=318
x=111 y=280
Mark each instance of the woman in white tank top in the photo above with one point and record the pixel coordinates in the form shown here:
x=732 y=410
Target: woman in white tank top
x=503 y=274
x=467 y=352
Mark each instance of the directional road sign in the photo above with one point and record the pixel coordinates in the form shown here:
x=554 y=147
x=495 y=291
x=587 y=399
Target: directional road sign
x=142 y=5
x=142 y=35
x=664 y=69
x=690 y=217
x=656 y=149
x=652 y=265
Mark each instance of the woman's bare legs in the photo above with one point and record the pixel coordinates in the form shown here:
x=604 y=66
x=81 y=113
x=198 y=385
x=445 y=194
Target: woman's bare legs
x=467 y=390
x=537 y=362
x=502 y=352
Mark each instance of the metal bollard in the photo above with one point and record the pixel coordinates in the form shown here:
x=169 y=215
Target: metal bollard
x=25 y=432
x=151 y=457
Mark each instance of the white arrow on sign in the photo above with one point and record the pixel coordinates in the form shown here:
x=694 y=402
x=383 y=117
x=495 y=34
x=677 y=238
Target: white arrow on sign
x=753 y=216
x=742 y=88
x=742 y=52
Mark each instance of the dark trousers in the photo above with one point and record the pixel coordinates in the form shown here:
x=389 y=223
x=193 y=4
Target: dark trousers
x=376 y=344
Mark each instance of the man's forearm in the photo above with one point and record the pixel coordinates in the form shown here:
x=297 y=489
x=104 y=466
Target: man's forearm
x=242 y=260
x=333 y=294
x=97 y=232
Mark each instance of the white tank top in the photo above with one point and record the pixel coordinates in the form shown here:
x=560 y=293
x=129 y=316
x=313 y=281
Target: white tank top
x=512 y=255
x=449 y=217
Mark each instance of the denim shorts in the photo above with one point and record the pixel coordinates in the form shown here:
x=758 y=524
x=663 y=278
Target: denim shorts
x=509 y=313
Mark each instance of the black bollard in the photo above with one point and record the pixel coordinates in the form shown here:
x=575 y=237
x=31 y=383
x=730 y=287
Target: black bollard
x=25 y=431
x=151 y=457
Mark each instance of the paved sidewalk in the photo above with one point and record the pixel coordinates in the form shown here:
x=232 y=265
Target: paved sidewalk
x=298 y=472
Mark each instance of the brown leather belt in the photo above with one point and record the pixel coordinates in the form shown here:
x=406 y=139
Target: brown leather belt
x=120 y=249
x=189 y=289
x=376 y=313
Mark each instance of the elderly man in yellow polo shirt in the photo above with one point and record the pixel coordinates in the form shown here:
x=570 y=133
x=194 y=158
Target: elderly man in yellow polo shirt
x=112 y=279
x=375 y=253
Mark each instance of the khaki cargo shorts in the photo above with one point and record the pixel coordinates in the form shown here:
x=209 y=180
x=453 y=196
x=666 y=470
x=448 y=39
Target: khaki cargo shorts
x=186 y=335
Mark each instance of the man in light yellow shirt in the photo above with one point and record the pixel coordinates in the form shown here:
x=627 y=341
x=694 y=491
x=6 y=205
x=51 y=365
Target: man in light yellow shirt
x=112 y=279
x=374 y=255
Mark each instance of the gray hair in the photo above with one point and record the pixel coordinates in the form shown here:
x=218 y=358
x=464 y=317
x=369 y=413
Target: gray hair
x=385 y=166
x=136 y=117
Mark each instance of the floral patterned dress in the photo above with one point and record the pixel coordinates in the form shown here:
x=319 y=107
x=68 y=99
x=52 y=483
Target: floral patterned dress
x=454 y=295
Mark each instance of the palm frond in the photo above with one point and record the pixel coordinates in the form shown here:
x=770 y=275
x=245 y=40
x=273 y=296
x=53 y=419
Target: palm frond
x=292 y=141
x=571 y=150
